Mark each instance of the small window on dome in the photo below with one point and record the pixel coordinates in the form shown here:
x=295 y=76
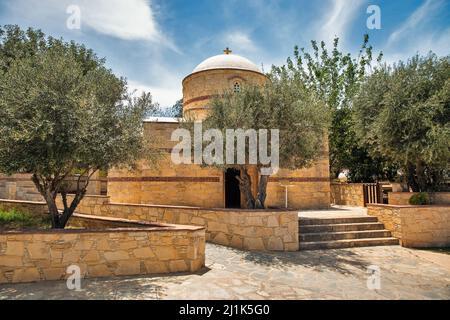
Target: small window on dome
x=237 y=87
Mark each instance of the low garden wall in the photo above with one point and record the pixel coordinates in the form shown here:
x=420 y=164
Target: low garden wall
x=347 y=194
x=262 y=230
x=46 y=255
x=402 y=198
x=33 y=207
x=415 y=226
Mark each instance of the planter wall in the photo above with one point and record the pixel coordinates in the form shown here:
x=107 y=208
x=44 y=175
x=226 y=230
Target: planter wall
x=46 y=255
x=402 y=198
x=263 y=230
x=416 y=226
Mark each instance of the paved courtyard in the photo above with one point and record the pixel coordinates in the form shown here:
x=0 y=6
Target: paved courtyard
x=233 y=274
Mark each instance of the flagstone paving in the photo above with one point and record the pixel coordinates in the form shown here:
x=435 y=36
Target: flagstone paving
x=233 y=274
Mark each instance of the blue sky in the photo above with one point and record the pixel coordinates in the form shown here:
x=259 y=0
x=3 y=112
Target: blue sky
x=156 y=43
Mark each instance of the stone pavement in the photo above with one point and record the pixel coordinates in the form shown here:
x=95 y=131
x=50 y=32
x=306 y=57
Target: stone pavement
x=335 y=212
x=233 y=274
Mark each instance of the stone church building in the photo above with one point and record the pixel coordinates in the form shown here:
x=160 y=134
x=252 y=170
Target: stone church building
x=192 y=185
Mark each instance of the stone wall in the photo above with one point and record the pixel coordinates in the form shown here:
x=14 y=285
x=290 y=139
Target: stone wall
x=402 y=198
x=263 y=230
x=199 y=88
x=416 y=226
x=32 y=207
x=196 y=186
x=45 y=255
x=18 y=187
x=347 y=194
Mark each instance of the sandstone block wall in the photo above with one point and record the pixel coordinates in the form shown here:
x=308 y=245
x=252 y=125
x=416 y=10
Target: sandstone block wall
x=402 y=198
x=199 y=88
x=32 y=207
x=36 y=256
x=347 y=194
x=18 y=187
x=263 y=230
x=416 y=226
x=192 y=185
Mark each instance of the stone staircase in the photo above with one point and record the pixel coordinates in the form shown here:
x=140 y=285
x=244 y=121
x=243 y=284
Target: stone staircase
x=334 y=233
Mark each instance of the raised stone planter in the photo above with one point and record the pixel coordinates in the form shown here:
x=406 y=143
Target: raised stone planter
x=46 y=255
x=402 y=198
x=415 y=226
x=262 y=230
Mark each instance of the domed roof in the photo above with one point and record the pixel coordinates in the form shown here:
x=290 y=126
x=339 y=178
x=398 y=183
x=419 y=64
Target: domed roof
x=227 y=60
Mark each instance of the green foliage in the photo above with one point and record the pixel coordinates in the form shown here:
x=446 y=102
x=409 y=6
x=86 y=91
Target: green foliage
x=62 y=110
x=420 y=199
x=14 y=219
x=336 y=77
x=284 y=104
x=176 y=111
x=402 y=113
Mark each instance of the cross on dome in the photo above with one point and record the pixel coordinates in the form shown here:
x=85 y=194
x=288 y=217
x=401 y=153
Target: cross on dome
x=227 y=51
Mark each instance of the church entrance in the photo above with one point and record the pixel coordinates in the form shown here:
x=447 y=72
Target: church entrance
x=232 y=192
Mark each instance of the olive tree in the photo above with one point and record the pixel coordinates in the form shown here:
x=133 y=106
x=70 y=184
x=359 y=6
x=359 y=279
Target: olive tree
x=283 y=104
x=335 y=76
x=403 y=113
x=61 y=109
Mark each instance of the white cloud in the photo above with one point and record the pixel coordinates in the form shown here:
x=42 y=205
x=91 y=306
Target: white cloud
x=338 y=19
x=420 y=16
x=240 y=41
x=130 y=20
x=123 y=19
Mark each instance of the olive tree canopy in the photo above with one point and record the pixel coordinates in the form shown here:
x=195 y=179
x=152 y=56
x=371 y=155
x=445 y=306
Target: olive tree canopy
x=62 y=110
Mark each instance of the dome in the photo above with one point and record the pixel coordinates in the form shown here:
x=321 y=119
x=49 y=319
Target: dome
x=227 y=60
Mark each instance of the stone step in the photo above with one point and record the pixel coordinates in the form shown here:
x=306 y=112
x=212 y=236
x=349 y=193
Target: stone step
x=320 y=221
x=341 y=227
x=330 y=236
x=339 y=244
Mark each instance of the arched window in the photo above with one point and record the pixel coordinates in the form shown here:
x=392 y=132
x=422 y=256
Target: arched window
x=237 y=87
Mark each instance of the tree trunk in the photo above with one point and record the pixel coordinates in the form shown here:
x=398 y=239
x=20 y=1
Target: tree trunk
x=411 y=177
x=262 y=192
x=49 y=190
x=421 y=176
x=245 y=186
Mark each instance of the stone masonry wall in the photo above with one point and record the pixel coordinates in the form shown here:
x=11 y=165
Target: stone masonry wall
x=243 y=229
x=416 y=226
x=402 y=198
x=45 y=255
x=32 y=207
x=347 y=194
x=18 y=187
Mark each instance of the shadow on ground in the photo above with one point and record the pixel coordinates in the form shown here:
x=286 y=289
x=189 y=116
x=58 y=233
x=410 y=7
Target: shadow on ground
x=121 y=288
x=339 y=260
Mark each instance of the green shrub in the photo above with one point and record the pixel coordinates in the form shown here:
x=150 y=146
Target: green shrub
x=419 y=199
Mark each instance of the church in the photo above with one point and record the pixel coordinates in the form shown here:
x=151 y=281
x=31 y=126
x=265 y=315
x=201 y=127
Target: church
x=192 y=185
